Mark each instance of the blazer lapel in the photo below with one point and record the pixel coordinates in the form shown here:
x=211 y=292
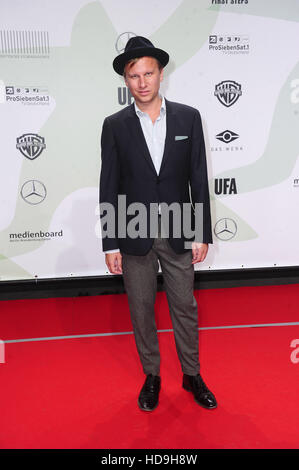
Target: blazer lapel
x=170 y=133
x=135 y=128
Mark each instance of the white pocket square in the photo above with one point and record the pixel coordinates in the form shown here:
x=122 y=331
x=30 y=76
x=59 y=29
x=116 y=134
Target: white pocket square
x=181 y=137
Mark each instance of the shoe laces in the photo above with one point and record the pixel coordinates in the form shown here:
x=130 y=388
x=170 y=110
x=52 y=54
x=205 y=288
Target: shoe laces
x=150 y=383
x=200 y=383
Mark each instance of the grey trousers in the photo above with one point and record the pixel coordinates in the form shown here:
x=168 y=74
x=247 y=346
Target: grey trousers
x=140 y=280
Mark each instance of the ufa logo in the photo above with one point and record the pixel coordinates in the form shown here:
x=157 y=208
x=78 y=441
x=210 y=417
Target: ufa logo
x=31 y=145
x=124 y=96
x=225 y=186
x=228 y=92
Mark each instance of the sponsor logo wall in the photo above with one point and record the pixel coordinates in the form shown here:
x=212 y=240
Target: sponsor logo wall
x=57 y=85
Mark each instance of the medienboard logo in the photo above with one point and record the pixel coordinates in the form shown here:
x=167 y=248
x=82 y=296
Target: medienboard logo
x=296 y=183
x=30 y=236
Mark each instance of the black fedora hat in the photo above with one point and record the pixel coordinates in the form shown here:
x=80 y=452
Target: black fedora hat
x=138 y=46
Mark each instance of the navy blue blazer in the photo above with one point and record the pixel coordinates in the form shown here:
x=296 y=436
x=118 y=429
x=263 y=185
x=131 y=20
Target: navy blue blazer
x=127 y=169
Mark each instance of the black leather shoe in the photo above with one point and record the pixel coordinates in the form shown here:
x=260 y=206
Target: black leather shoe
x=202 y=395
x=149 y=396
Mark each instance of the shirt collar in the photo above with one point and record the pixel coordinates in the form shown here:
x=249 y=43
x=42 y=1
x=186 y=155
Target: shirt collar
x=162 y=109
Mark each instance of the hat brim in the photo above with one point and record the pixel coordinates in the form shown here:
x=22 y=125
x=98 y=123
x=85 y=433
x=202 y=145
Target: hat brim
x=121 y=60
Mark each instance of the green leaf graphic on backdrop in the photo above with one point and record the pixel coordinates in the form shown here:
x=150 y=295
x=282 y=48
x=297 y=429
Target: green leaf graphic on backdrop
x=84 y=85
x=11 y=270
x=81 y=80
x=282 y=148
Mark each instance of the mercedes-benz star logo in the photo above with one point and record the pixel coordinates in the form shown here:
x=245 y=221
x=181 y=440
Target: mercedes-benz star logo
x=122 y=41
x=33 y=192
x=225 y=229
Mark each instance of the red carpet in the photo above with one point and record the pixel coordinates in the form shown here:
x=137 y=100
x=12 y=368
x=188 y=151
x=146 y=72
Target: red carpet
x=82 y=393
x=110 y=313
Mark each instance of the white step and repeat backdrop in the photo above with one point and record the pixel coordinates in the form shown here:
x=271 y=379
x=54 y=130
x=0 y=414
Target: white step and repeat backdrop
x=236 y=61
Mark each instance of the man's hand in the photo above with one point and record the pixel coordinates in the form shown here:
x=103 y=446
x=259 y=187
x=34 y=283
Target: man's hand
x=113 y=262
x=199 y=252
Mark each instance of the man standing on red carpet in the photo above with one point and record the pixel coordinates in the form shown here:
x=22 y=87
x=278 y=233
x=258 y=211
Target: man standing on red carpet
x=153 y=157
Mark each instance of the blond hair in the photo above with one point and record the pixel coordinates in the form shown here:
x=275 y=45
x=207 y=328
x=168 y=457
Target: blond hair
x=132 y=62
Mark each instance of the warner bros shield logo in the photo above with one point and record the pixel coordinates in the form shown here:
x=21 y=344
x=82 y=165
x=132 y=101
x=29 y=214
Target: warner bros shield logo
x=31 y=145
x=228 y=92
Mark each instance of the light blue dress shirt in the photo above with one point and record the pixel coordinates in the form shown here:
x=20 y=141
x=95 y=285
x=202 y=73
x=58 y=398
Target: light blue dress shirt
x=154 y=133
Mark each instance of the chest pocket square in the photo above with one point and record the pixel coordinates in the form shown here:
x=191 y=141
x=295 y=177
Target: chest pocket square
x=181 y=137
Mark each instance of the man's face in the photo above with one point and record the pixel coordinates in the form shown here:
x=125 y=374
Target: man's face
x=143 y=80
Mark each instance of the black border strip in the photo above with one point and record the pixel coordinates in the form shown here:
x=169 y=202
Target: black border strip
x=149 y=457
x=103 y=285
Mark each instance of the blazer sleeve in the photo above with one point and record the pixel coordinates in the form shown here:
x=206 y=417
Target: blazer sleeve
x=199 y=178
x=109 y=188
